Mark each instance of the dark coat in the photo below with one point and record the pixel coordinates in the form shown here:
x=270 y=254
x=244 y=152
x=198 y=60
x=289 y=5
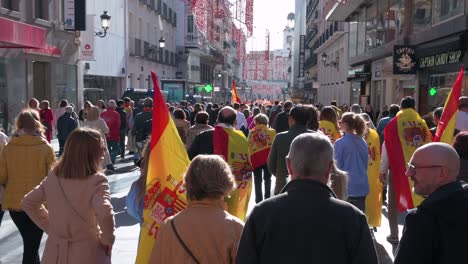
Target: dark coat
x=65 y=125
x=123 y=118
x=436 y=232
x=143 y=125
x=202 y=144
x=306 y=223
x=280 y=148
x=281 y=123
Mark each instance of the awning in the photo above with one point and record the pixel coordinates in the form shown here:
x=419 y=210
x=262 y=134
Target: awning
x=14 y=34
x=341 y=11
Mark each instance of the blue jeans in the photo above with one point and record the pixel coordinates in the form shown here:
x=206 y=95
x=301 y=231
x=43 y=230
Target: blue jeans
x=114 y=149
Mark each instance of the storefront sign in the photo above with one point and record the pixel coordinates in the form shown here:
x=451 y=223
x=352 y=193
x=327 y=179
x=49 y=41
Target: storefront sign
x=87 y=41
x=359 y=72
x=14 y=34
x=439 y=59
x=301 y=55
x=404 y=59
x=74 y=15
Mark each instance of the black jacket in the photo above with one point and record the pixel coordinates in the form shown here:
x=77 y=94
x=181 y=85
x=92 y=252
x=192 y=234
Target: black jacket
x=202 y=144
x=436 y=231
x=123 y=118
x=281 y=123
x=143 y=125
x=65 y=125
x=306 y=223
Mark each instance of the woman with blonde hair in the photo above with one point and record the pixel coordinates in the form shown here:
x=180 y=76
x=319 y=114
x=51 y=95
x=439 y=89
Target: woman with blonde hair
x=352 y=156
x=214 y=236
x=329 y=123
x=94 y=121
x=79 y=219
x=24 y=163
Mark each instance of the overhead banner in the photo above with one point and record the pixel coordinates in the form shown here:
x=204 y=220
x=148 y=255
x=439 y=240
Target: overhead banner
x=87 y=41
x=404 y=59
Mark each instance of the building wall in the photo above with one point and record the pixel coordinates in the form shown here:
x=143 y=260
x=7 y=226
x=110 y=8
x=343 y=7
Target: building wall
x=299 y=29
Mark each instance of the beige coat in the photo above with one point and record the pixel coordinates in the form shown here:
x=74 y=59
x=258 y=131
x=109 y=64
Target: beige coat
x=71 y=239
x=209 y=232
x=193 y=131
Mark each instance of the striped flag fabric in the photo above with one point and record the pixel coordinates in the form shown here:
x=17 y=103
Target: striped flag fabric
x=235 y=97
x=165 y=193
x=446 y=127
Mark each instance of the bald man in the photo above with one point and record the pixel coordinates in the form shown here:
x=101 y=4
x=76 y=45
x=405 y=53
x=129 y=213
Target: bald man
x=435 y=231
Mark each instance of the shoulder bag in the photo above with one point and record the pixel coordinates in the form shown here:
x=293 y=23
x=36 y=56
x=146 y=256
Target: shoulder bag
x=182 y=242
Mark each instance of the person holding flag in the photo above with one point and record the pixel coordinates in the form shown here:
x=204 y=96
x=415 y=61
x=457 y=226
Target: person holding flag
x=452 y=119
x=402 y=136
x=168 y=161
x=225 y=140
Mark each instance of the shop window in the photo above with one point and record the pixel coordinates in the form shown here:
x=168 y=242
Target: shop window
x=11 y=4
x=422 y=15
x=13 y=99
x=66 y=83
x=445 y=9
x=41 y=9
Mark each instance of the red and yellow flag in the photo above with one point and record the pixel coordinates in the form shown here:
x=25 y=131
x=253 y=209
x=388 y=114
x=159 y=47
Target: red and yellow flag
x=448 y=120
x=165 y=192
x=235 y=97
x=260 y=140
x=232 y=145
x=374 y=198
x=330 y=130
x=403 y=135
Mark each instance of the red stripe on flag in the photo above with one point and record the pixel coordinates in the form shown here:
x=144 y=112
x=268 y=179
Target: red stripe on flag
x=221 y=142
x=396 y=160
x=160 y=112
x=451 y=106
x=258 y=159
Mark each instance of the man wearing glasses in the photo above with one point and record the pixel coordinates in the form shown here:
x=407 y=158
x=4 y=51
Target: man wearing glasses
x=435 y=232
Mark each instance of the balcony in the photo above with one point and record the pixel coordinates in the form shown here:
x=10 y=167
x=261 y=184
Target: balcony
x=135 y=47
x=311 y=6
x=333 y=32
x=150 y=51
x=311 y=34
x=311 y=61
x=341 y=10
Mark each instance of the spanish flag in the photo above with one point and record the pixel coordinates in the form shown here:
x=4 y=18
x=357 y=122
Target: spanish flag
x=403 y=135
x=260 y=140
x=232 y=145
x=374 y=198
x=330 y=130
x=446 y=126
x=165 y=192
x=235 y=97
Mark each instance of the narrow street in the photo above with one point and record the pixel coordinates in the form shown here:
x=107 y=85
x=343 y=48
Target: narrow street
x=127 y=229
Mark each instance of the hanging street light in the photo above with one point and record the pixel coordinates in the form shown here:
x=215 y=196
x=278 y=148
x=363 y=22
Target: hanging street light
x=105 y=20
x=162 y=42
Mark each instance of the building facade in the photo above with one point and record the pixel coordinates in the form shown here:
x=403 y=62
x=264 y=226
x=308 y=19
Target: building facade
x=38 y=58
x=434 y=31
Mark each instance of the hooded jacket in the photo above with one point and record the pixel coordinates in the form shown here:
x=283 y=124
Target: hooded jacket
x=24 y=163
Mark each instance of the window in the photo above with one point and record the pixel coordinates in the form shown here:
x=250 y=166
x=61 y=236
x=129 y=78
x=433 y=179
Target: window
x=174 y=19
x=190 y=24
x=422 y=15
x=371 y=26
x=361 y=34
x=353 y=27
x=11 y=4
x=395 y=15
x=166 y=56
x=445 y=9
x=164 y=10
x=41 y=9
x=170 y=15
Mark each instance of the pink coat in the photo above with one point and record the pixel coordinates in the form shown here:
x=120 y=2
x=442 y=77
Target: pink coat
x=71 y=239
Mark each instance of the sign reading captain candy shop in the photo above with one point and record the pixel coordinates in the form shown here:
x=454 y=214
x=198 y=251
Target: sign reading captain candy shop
x=404 y=59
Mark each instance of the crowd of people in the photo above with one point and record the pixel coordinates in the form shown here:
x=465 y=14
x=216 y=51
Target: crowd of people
x=333 y=171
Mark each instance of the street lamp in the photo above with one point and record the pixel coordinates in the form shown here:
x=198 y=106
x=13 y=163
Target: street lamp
x=105 y=19
x=324 y=57
x=162 y=42
x=335 y=63
x=219 y=75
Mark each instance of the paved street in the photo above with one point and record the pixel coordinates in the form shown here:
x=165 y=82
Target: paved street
x=125 y=247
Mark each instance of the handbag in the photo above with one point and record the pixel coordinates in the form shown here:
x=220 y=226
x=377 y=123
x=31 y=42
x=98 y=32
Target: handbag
x=182 y=242
x=134 y=208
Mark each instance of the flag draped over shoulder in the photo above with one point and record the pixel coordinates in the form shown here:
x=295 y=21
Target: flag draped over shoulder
x=232 y=145
x=446 y=127
x=165 y=193
x=260 y=140
x=374 y=198
x=329 y=129
x=403 y=135
x=235 y=97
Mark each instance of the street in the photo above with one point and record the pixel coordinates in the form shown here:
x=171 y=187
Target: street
x=127 y=229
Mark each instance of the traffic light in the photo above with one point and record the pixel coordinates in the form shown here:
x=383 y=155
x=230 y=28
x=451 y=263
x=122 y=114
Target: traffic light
x=432 y=91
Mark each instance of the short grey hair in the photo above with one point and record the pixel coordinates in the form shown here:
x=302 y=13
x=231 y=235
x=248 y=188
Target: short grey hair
x=309 y=155
x=261 y=119
x=355 y=108
x=112 y=104
x=208 y=176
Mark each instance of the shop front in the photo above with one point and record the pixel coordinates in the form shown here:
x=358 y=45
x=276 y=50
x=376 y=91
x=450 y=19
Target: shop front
x=439 y=63
x=360 y=77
